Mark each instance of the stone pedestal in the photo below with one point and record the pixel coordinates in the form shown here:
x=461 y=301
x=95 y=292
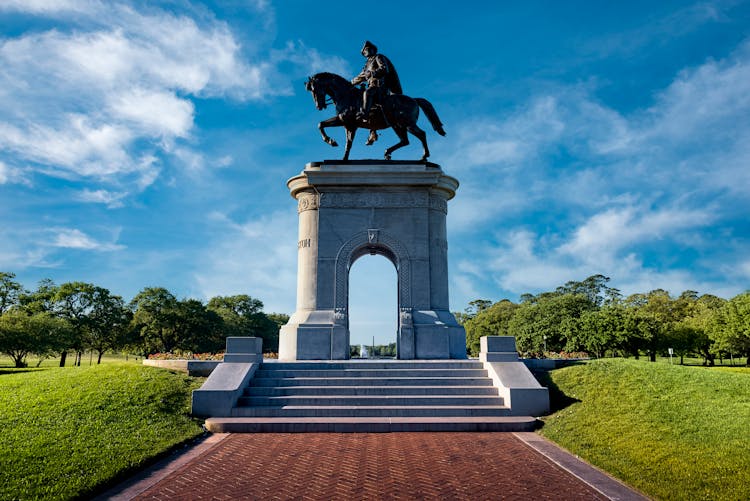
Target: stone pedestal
x=349 y=209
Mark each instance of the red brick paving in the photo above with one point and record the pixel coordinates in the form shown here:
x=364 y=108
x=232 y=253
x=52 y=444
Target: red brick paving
x=311 y=466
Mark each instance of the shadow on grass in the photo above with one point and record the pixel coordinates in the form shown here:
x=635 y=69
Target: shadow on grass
x=13 y=370
x=5 y=370
x=557 y=399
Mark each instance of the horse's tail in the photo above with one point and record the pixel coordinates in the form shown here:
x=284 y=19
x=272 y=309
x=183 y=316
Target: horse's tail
x=431 y=114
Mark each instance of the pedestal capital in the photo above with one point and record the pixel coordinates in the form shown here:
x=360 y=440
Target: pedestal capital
x=358 y=174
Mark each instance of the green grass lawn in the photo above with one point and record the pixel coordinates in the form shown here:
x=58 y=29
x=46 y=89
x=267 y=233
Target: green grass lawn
x=88 y=359
x=67 y=431
x=674 y=432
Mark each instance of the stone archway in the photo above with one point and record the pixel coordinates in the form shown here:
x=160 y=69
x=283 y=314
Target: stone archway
x=374 y=241
x=347 y=209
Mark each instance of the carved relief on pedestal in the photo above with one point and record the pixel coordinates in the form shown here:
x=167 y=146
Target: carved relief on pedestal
x=405 y=317
x=356 y=200
x=307 y=201
x=339 y=316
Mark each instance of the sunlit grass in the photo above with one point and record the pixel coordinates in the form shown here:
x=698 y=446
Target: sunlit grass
x=88 y=359
x=674 y=432
x=66 y=431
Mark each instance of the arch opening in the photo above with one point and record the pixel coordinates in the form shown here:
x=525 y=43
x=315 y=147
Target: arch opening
x=373 y=302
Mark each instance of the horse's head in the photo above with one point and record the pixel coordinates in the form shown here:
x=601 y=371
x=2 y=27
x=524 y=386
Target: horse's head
x=318 y=92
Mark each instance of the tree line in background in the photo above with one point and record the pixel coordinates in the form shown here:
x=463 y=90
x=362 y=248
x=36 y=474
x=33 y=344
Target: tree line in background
x=591 y=317
x=57 y=320
x=587 y=316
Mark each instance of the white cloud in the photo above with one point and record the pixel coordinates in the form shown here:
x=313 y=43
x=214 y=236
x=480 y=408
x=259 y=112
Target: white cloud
x=28 y=246
x=598 y=240
x=484 y=141
x=174 y=119
x=642 y=188
x=700 y=98
x=5 y=173
x=307 y=61
x=47 y=6
x=109 y=92
x=111 y=199
x=516 y=265
x=256 y=257
x=521 y=262
x=71 y=238
x=76 y=147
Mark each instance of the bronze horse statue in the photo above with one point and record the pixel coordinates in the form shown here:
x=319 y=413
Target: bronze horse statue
x=397 y=111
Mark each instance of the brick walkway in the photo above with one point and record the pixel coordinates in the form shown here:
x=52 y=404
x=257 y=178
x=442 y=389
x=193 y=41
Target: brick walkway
x=308 y=466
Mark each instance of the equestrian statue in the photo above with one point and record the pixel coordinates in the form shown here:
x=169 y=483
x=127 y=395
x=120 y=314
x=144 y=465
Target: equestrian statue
x=378 y=105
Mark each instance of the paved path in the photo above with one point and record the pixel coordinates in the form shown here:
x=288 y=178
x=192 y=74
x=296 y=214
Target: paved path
x=350 y=466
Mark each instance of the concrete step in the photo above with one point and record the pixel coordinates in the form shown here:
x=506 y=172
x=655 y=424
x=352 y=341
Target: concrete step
x=371 y=411
x=371 y=364
x=371 y=396
x=369 y=400
x=278 y=391
x=371 y=373
x=370 y=424
x=363 y=381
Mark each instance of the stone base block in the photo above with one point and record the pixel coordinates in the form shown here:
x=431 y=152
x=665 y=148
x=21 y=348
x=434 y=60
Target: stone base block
x=515 y=383
x=313 y=342
x=315 y=335
x=438 y=335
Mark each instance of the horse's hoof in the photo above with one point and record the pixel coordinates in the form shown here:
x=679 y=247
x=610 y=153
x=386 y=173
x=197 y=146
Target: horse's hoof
x=333 y=143
x=387 y=156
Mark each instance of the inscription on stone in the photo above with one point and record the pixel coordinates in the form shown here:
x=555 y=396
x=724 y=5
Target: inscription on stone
x=304 y=243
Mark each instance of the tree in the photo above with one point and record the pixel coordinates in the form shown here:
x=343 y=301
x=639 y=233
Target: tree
x=650 y=319
x=10 y=291
x=42 y=299
x=731 y=329
x=196 y=328
x=154 y=310
x=107 y=324
x=279 y=319
x=594 y=288
x=243 y=316
x=488 y=321
x=86 y=307
x=604 y=329
x=22 y=334
x=691 y=334
x=550 y=319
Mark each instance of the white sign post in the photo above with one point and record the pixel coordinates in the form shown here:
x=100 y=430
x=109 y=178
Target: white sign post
x=671 y=352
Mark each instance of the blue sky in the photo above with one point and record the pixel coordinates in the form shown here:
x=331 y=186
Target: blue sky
x=148 y=143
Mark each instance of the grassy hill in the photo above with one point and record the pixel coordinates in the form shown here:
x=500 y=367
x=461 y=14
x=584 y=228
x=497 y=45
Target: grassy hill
x=673 y=432
x=66 y=431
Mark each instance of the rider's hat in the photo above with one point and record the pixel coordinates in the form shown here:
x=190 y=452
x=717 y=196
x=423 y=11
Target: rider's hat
x=368 y=44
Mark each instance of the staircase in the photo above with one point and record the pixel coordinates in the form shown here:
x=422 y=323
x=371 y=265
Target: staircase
x=370 y=396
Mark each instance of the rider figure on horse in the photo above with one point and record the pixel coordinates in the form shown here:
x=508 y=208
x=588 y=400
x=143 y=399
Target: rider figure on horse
x=381 y=78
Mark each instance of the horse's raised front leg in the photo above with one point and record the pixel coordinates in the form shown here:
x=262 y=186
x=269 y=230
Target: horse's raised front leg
x=404 y=140
x=350 y=133
x=331 y=122
x=422 y=136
